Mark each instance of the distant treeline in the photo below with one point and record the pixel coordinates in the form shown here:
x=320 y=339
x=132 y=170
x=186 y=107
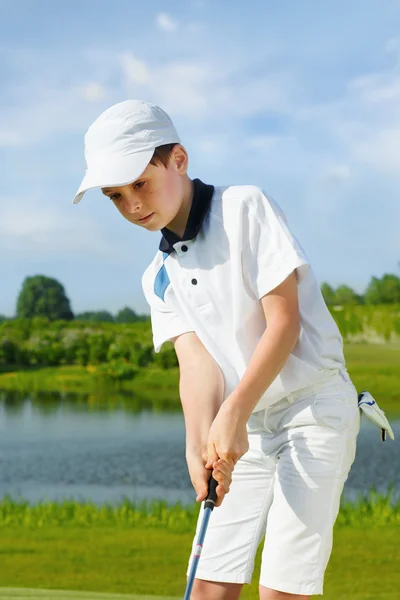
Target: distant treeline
x=42 y=342
x=384 y=290
x=43 y=296
x=124 y=348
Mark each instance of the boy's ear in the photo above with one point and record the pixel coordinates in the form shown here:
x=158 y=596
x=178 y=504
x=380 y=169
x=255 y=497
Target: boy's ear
x=180 y=158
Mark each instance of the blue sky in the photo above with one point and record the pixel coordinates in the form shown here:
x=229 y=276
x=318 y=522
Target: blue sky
x=300 y=98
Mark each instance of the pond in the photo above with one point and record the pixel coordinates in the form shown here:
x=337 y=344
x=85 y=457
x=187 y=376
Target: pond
x=63 y=449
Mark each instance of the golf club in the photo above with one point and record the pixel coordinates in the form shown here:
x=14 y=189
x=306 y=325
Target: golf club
x=208 y=508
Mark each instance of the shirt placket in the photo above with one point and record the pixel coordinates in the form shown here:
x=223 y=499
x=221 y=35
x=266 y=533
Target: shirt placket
x=194 y=284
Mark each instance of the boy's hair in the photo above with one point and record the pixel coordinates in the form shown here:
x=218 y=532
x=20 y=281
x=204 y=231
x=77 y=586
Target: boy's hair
x=162 y=155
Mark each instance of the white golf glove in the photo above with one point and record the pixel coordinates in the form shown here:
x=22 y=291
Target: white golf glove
x=371 y=410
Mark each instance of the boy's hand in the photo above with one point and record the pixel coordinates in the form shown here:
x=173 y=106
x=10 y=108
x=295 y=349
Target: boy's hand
x=227 y=439
x=200 y=476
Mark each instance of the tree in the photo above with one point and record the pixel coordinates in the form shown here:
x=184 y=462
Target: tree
x=43 y=296
x=126 y=315
x=97 y=316
x=383 y=291
x=328 y=293
x=345 y=295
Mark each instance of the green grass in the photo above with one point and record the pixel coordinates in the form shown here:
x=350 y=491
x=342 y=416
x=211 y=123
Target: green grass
x=41 y=594
x=377 y=369
x=364 y=562
x=126 y=514
x=143 y=550
x=373 y=510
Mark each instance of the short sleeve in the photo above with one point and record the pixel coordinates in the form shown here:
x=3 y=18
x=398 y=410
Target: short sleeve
x=270 y=252
x=166 y=320
x=166 y=324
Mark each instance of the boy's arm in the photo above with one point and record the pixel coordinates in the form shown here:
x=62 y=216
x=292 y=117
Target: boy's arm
x=201 y=388
x=228 y=437
x=281 y=310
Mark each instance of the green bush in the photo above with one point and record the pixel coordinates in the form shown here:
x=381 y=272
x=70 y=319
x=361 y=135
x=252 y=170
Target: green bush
x=166 y=359
x=8 y=351
x=98 y=348
x=368 y=323
x=116 y=370
x=145 y=356
x=82 y=351
x=39 y=341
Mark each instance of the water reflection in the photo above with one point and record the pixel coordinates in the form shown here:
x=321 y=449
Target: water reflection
x=47 y=403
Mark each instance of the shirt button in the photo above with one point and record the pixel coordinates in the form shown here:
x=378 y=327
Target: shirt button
x=184 y=248
x=194 y=281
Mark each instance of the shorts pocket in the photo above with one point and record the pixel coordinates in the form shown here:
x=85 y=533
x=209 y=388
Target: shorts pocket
x=298 y=414
x=336 y=408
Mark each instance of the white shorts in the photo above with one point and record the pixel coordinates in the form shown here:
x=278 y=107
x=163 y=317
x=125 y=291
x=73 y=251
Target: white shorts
x=288 y=487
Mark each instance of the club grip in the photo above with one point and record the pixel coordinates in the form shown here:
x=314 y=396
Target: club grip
x=212 y=493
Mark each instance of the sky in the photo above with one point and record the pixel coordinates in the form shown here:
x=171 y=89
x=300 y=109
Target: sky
x=299 y=98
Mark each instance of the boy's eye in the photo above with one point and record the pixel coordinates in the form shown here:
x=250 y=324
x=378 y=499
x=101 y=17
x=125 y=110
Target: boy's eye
x=115 y=196
x=139 y=185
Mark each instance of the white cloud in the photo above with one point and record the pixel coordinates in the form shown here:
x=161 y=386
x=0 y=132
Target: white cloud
x=94 y=92
x=212 y=149
x=333 y=180
x=47 y=105
x=194 y=28
x=183 y=87
x=372 y=127
x=179 y=87
x=31 y=227
x=11 y=138
x=166 y=22
x=43 y=112
x=380 y=149
x=393 y=46
x=376 y=88
x=337 y=173
x=135 y=70
x=362 y=127
x=266 y=143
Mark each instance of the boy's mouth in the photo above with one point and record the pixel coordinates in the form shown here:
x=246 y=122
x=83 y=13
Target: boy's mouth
x=145 y=219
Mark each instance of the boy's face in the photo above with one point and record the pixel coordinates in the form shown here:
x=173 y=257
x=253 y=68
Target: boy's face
x=154 y=199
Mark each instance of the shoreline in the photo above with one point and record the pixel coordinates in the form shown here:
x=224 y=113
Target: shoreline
x=371 y=367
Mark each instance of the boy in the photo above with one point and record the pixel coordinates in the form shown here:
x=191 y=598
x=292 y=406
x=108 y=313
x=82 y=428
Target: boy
x=268 y=404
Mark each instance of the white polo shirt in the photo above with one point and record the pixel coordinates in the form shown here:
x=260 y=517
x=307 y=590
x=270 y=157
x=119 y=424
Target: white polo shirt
x=237 y=248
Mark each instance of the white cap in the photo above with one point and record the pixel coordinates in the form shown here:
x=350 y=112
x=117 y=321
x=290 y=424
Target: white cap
x=121 y=142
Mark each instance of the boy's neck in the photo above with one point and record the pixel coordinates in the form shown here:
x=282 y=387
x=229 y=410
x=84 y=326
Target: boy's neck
x=178 y=224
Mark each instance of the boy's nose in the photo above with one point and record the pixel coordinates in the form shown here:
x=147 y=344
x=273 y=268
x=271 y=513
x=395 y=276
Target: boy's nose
x=131 y=204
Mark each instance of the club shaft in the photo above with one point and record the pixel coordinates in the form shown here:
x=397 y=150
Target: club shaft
x=196 y=557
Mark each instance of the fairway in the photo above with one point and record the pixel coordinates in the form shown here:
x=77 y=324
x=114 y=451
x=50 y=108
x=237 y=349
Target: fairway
x=17 y=593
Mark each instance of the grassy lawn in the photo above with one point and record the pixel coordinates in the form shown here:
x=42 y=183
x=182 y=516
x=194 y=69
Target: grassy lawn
x=144 y=549
x=45 y=594
x=364 y=562
x=376 y=368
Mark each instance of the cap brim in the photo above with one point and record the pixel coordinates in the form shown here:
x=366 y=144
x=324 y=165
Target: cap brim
x=122 y=171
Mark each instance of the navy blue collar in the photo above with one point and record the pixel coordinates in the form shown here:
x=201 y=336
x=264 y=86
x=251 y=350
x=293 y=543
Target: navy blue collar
x=201 y=203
